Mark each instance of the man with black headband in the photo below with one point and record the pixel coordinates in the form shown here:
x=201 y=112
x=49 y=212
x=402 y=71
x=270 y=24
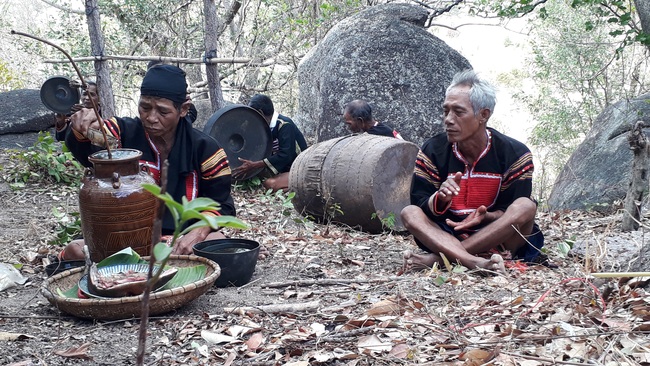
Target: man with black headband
x=198 y=166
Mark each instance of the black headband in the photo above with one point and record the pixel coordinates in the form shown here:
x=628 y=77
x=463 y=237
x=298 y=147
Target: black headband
x=165 y=81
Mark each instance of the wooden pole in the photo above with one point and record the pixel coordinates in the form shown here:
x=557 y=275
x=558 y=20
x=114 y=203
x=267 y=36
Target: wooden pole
x=164 y=59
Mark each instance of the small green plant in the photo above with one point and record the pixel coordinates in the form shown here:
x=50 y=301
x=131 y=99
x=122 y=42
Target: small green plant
x=183 y=212
x=565 y=246
x=248 y=184
x=387 y=222
x=333 y=210
x=68 y=227
x=43 y=162
x=285 y=199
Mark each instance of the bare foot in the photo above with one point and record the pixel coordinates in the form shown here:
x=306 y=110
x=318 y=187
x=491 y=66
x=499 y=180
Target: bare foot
x=494 y=264
x=264 y=252
x=418 y=262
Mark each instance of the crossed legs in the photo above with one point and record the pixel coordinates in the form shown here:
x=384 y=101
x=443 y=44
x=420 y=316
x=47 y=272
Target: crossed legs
x=520 y=214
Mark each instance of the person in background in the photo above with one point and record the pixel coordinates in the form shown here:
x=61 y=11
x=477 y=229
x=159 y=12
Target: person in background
x=471 y=191
x=198 y=166
x=288 y=142
x=62 y=121
x=358 y=116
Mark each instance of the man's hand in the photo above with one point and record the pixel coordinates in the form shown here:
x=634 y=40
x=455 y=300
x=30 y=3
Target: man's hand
x=448 y=189
x=60 y=121
x=246 y=167
x=76 y=108
x=472 y=220
x=185 y=243
x=83 y=120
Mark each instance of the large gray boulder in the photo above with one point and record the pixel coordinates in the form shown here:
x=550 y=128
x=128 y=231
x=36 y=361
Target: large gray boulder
x=22 y=111
x=385 y=56
x=598 y=173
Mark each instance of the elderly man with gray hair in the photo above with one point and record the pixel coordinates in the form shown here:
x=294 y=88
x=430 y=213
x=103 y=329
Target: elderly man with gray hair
x=471 y=192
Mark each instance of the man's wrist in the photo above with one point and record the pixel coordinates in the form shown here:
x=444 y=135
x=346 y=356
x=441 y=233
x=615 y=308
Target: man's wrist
x=434 y=203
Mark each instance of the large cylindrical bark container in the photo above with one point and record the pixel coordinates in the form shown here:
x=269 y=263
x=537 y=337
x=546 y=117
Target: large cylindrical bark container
x=355 y=180
x=116 y=212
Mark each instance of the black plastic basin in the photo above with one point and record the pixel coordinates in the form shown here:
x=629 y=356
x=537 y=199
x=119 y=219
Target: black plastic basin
x=60 y=266
x=236 y=257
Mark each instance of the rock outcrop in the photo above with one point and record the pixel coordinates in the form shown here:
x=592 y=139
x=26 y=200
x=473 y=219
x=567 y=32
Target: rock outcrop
x=598 y=172
x=385 y=56
x=22 y=111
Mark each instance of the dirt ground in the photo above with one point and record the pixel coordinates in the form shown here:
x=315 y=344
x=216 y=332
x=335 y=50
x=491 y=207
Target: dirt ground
x=365 y=312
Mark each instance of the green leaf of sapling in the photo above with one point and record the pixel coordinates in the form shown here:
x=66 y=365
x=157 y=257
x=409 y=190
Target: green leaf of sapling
x=161 y=252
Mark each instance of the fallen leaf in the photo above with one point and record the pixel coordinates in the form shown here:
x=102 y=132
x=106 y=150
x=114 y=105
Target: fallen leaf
x=80 y=352
x=7 y=336
x=322 y=357
x=22 y=363
x=643 y=327
x=230 y=359
x=384 y=307
x=318 y=329
x=298 y=363
x=238 y=330
x=255 y=341
x=216 y=338
x=479 y=355
x=400 y=351
x=372 y=343
x=201 y=349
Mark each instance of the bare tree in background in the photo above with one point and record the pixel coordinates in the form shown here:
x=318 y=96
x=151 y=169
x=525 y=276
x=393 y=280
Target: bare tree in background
x=211 y=42
x=104 y=84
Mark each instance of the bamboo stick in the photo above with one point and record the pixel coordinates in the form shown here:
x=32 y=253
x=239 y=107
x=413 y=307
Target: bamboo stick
x=620 y=274
x=182 y=60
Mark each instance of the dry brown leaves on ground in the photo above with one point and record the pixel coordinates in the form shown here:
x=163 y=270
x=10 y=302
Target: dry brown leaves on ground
x=330 y=295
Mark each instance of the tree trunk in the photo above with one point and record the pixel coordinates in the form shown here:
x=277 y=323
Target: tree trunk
x=211 y=70
x=639 y=184
x=104 y=84
x=643 y=9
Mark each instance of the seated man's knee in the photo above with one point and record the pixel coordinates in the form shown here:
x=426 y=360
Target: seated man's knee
x=524 y=208
x=409 y=215
x=73 y=251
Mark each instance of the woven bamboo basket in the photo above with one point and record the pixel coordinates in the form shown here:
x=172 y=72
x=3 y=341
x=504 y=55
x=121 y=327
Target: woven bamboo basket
x=129 y=306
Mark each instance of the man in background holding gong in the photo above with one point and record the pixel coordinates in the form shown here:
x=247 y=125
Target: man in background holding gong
x=288 y=142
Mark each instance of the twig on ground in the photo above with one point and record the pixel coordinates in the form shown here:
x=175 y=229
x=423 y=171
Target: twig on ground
x=329 y=282
x=542 y=359
x=351 y=333
x=276 y=308
x=620 y=274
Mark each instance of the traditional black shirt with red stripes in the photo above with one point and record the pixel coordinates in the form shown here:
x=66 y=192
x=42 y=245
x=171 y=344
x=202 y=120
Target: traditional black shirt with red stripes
x=502 y=173
x=198 y=166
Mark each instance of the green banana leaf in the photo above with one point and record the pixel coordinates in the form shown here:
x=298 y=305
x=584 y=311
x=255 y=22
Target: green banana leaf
x=184 y=276
x=124 y=256
x=71 y=293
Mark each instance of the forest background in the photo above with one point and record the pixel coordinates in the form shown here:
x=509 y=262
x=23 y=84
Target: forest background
x=557 y=63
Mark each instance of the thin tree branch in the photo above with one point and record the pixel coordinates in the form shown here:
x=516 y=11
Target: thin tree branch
x=228 y=17
x=63 y=8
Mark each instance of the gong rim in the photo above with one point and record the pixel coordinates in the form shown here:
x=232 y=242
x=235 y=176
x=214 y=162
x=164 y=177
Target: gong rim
x=58 y=96
x=243 y=133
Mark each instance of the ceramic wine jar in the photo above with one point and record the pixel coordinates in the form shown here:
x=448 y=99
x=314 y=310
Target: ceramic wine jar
x=116 y=212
